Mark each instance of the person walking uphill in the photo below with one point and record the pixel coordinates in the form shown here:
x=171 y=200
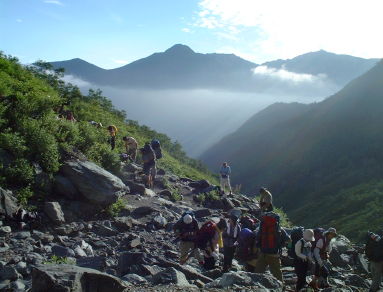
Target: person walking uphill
x=112 y=132
x=322 y=249
x=149 y=167
x=374 y=253
x=186 y=230
x=271 y=238
x=303 y=257
x=225 y=177
x=230 y=236
x=265 y=200
x=131 y=146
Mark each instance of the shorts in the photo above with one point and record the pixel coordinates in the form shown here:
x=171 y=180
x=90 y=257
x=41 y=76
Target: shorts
x=150 y=169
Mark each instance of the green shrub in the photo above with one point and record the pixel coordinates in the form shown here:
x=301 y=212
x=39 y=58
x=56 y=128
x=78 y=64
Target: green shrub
x=56 y=260
x=175 y=195
x=114 y=209
x=19 y=173
x=23 y=195
x=13 y=143
x=104 y=156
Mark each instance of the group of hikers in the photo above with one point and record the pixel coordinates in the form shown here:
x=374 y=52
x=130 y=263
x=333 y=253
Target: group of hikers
x=257 y=242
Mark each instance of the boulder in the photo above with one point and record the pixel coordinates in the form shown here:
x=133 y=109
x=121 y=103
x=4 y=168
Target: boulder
x=134 y=279
x=9 y=273
x=170 y=276
x=8 y=203
x=135 y=188
x=97 y=263
x=64 y=187
x=142 y=211
x=60 y=278
x=128 y=259
x=123 y=223
x=165 y=193
x=102 y=230
x=202 y=213
x=228 y=204
x=357 y=281
x=159 y=221
x=62 y=251
x=260 y=281
x=5 y=230
x=54 y=212
x=93 y=183
x=200 y=184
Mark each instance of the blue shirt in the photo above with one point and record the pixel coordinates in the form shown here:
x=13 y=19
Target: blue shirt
x=225 y=171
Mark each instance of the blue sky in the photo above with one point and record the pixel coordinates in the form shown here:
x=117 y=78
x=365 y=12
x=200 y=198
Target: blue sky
x=115 y=32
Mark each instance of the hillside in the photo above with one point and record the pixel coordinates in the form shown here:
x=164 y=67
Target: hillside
x=311 y=155
x=339 y=68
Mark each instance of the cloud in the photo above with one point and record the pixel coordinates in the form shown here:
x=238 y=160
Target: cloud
x=121 y=62
x=76 y=81
x=285 y=75
x=284 y=29
x=56 y=2
x=187 y=30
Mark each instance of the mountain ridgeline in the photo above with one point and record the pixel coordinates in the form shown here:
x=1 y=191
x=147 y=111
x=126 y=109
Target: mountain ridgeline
x=322 y=161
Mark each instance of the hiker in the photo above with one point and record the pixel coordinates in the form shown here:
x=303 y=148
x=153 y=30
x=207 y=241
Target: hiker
x=209 y=241
x=374 y=253
x=248 y=222
x=271 y=238
x=95 y=124
x=230 y=236
x=149 y=167
x=303 y=257
x=322 y=248
x=70 y=117
x=131 y=146
x=225 y=177
x=156 y=146
x=112 y=132
x=247 y=251
x=265 y=200
x=186 y=230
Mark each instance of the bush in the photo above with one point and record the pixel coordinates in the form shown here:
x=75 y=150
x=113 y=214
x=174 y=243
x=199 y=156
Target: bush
x=19 y=173
x=23 y=195
x=14 y=143
x=114 y=209
x=104 y=156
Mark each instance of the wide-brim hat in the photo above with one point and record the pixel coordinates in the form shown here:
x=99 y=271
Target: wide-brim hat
x=331 y=230
x=308 y=235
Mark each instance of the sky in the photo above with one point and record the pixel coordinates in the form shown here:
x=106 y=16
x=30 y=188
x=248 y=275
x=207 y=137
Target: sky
x=113 y=33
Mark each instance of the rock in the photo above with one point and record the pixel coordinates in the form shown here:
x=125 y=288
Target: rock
x=161 y=171
x=22 y=235
x=135 y=188
x=228 y=204
x=123 y=223
x=357 y=281
x=165 y=193
x=79 y=252
x=246 y=279
x=340 y=260
x=131 y=167
x=159 y=221
x=362 y=263
x=18 y=285
x=149 y=193
x=9 y=273
x=127 y=259
x=5 y=230
x=142 y=211
x=214 y=274
x=64 y=187
x=202 y=213
x=22 y=268
x=134 y=279
x=146 y=270
x=86 y=247
x=201 y=184
x=97 y=263
x=170 y=276
x=60 y=278
x=342 y=244
x=93 y=183
x=62 y=251
x=54 y=212
x=102 y=230
x=8 y=203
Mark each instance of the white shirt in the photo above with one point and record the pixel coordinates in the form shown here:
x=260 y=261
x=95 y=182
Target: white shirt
x=305 y=252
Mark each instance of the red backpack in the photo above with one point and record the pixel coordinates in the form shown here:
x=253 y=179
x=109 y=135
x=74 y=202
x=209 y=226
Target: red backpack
x=270 y=233
x=205 y=234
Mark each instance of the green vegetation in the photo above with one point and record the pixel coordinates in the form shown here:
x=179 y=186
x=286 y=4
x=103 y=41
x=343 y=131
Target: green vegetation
x=175 y=195
x=115 y=209
x=32 y=98
x=56 y=260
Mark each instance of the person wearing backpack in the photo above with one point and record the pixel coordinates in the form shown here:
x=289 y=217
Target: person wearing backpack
x=303 y=257
x=247 y=250
x=156 y=146
x=265 y=200
x=374 y=253
x=149 y=167
x=209 y=241
x=186 y=230
x=322 y=248
x=248 y=222
x=131 y=146
x=230 y=236
x=225 y=177
x=271 y=238
x=112 y=132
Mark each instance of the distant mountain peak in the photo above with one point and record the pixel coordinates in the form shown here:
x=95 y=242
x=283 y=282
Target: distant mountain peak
x=179 y=49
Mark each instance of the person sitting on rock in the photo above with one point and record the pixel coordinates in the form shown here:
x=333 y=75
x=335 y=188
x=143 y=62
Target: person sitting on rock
x=230 y=236
x=209 y=241
x=225 y=177
x=265 y=200
x=131 y=146
x=149 y=167
x=186 y=230
x=303 y=257
x=322 y=248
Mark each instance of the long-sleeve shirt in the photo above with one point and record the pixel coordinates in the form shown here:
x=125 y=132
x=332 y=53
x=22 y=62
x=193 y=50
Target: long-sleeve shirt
x=225 y=171
x=230 y=235
x=317 y=251
x=303 y=250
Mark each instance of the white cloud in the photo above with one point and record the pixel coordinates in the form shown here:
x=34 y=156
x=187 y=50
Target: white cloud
x=56 y=2
x=187 y=30
x=76 y=81
x=285 y=75
x=121 y=62
x=285 y=29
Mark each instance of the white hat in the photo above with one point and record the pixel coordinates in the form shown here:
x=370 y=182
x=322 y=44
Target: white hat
x=308 y=235
x=188 y=219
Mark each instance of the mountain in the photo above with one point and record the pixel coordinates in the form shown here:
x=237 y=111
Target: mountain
x=177 y=67
x=339 y=68
x=310 y=155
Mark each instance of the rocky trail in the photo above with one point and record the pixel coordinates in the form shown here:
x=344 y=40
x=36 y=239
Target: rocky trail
x=77 y=246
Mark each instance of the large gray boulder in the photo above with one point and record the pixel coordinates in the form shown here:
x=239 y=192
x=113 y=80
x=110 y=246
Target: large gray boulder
x=93 y=183
x=54 y=212
x=170 y=276
x=60 y=278
x=260 y=281
x=8 y=203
